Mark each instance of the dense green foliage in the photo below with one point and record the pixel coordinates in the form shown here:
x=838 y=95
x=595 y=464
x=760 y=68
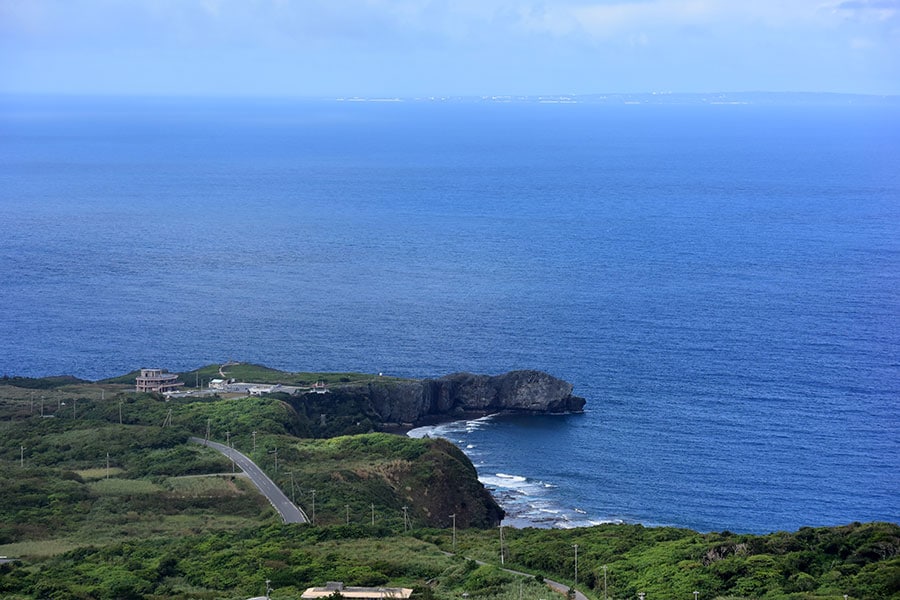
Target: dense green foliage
x=166 y=519
x=236 y=564
x=861 y=560
x=356 y=475
x=333 y=414
x=40 y=383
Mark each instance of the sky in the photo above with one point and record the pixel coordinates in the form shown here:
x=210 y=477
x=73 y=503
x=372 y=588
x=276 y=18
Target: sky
x=388 y=48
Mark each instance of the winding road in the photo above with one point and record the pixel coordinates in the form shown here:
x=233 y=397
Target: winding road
x=290 y=512
x=560 y=588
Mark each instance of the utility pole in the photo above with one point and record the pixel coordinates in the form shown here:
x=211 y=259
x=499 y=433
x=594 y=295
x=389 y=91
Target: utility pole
x=293 y=496
x=228 y=438
x=207 y=430
x=314 y=507
x=453 y=516
x=254 y=441
x=42 y=406
x=502 y=558
x=22 y=456
x=576 y=563
x=276 y=459
x=373 y=514
x=405 y=518
x=697 y=594
x=120 y=412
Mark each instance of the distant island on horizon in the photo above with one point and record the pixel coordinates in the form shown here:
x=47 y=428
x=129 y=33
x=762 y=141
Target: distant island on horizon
x=756 y=98
x=661 y=98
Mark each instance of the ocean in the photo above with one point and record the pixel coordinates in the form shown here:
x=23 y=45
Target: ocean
x=720 y=282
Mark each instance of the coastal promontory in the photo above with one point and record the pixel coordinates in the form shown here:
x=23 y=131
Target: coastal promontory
x=332 y=404
x=465 y=393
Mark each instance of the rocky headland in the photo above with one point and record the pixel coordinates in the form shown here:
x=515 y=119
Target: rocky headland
x=415 y=402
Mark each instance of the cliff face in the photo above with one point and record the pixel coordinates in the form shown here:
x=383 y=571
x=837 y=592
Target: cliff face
x=442 y=482
x=516 y=391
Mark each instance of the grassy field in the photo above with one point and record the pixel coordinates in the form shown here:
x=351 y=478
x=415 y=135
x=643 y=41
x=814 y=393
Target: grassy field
x=207 y=485
x=124 y=487
x=257 y=374
x=30 y=400
x=40 y=549
x=115 y=509
x=101 y=473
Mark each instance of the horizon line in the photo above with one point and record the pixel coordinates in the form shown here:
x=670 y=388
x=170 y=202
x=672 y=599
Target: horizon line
x=436 y=96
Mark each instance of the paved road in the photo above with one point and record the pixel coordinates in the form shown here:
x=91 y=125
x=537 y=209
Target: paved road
x=289 y=512
x=563 y=588
x=556 y=586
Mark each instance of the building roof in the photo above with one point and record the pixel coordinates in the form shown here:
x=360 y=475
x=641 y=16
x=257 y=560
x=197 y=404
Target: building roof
x=357 y=593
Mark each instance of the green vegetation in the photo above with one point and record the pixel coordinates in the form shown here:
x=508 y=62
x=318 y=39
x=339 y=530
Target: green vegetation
x=261 y=374
x=353 y=474
x=40 y=383
x=861 y=560
x=60 y=492
x=165 y=518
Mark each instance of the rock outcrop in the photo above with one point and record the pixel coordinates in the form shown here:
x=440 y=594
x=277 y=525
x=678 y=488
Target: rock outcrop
x=461 y=393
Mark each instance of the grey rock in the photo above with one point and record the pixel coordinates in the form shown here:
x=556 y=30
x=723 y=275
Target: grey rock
x=460 y=393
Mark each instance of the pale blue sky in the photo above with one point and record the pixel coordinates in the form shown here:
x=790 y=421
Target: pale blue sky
x=448 y=47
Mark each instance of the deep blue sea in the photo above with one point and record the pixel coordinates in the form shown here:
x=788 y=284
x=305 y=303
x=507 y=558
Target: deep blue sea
x=722 y=283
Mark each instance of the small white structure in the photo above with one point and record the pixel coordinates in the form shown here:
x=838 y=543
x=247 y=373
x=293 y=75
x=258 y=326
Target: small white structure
x=356 y=593
x=217 y=384
x=259 y=390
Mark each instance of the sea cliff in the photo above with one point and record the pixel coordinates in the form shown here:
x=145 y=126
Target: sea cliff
x=428 y=400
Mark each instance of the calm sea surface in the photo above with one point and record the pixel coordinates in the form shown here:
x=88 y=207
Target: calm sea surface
x=722 y=283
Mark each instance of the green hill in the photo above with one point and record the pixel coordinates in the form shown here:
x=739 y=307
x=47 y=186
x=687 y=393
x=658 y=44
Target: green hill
x=97 y=508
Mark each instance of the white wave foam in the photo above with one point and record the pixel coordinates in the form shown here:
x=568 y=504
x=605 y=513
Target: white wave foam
x=480 y=421
x=449 y=431
x=527 y=502
x=446 y=431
